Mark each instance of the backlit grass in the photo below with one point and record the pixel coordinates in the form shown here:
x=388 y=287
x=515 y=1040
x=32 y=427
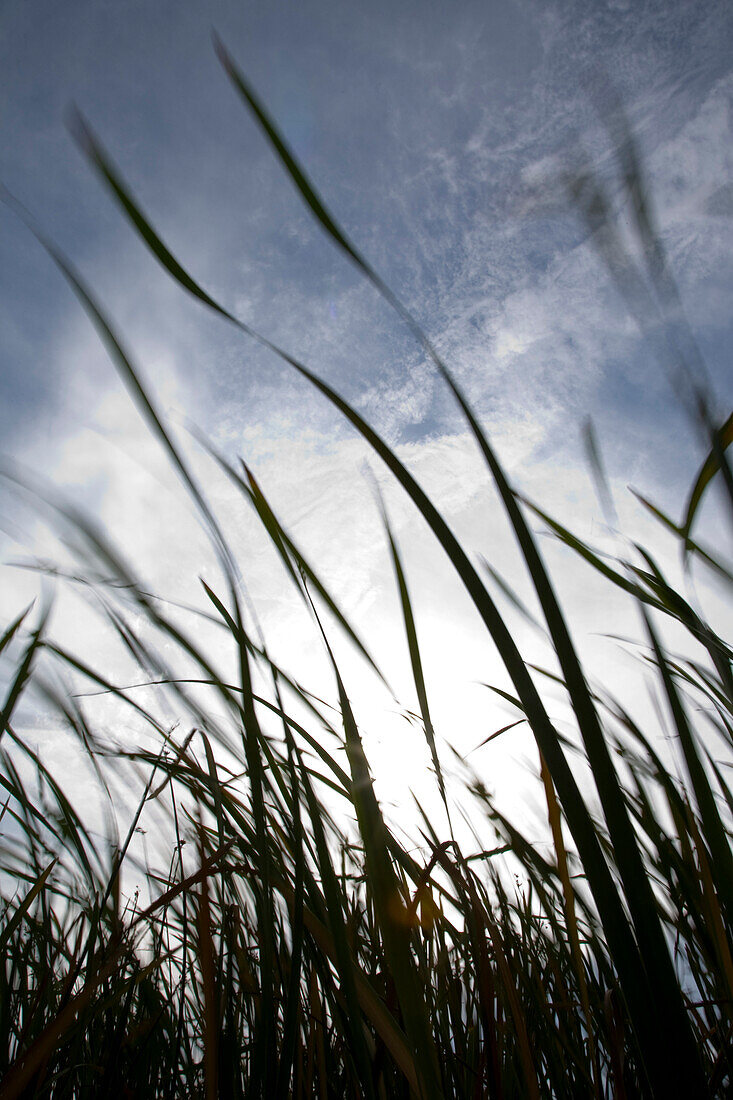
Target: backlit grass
x=287 y=952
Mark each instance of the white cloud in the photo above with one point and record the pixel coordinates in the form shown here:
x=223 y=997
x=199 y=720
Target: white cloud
x=316 y=483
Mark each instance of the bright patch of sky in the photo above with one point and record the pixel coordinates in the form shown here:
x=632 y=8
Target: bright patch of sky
x=443 y=137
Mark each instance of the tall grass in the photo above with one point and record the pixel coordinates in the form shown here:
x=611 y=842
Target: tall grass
x=285 y=951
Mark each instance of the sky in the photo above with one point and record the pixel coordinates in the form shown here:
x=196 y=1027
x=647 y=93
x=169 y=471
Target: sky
x=446 y=139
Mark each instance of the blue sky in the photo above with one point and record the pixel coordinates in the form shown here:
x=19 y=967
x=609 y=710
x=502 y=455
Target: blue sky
x=441 y=136
x=436 y=132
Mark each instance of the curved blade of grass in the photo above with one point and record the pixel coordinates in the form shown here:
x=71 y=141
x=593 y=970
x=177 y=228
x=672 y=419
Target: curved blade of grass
x=106 y=685
x=511 y=595
x=344 y=781
x=415 y=659
x=12 y=630
x=691 y=547
x=710 y=467
x=87 y=142
x=290 y=554
x=674 y=604
x=591 y=556
x=299 y=177
x=23 y=673
x=496 y=733
x=131 y=378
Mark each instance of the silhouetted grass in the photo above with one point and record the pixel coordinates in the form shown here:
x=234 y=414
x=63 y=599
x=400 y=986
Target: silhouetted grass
x=278 y=957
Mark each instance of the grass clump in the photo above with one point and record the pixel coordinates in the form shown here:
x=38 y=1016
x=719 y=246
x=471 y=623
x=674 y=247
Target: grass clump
x=281 y=954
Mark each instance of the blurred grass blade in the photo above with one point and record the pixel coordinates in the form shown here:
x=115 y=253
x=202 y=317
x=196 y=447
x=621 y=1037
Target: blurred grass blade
x=291 y=556
x=603 y=489
x=712 y=465
x=13 y=628
x=513 y=598
x=22 y=674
